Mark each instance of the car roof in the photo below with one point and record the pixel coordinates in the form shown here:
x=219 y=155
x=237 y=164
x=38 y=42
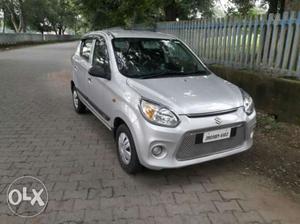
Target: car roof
x=121 y=33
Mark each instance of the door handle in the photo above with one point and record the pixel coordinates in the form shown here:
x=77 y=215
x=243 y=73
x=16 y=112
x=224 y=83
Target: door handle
x=89 y=80
x=75 y=68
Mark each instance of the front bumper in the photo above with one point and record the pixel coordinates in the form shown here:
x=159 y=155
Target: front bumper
x=147 y=136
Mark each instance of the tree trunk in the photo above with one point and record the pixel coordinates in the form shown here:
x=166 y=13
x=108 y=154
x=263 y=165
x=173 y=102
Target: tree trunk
x=273 y=6
x=4 y=20
x=13 y=21
x=16 y=20
x=21 y=17
x=282 y=6
x=171 y=11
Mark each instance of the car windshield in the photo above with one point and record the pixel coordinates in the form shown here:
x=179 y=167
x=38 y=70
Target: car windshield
x=153 y=58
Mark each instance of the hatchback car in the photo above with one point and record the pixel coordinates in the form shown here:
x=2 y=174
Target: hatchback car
x=164 y=106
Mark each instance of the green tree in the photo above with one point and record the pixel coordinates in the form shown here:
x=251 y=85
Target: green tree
x=184 y=9
x=245 y=6
x=13 y=10
x=62 y=15
x=37 y=14
x=40 y=15
x=111 y=13
x=276 y=6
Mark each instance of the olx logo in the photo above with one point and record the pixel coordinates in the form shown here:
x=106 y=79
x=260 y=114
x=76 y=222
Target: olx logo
x=27 y=196
x=23 y=196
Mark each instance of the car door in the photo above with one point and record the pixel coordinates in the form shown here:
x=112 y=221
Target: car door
x=82 y=65
x=98 y=88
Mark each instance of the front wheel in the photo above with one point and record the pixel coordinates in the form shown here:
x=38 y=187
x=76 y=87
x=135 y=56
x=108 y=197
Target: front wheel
x=78 y=105
x=127 y=155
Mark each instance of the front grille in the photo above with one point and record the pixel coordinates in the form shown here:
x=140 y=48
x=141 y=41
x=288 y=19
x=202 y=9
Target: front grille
x=192 y=148
x=215 y=113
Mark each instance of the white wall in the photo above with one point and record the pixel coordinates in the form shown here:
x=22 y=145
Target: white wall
x=15 y=38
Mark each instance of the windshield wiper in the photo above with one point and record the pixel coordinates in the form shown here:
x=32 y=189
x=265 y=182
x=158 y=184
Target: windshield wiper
x=198 y=72
x=172 y=74
x=161 y=74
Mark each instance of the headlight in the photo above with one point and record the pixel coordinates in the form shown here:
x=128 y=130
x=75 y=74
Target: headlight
x=248 y=103
x=158 y=114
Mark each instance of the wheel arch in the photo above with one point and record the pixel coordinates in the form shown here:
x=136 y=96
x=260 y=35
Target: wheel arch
x=117 y=122
x=72 y=85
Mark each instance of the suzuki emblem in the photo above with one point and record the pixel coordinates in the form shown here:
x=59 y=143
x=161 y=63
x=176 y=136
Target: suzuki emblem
x=218 y=120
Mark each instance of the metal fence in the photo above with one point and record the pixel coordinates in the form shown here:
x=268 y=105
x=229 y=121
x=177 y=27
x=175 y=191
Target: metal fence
x=15 y=38
x=265 y=43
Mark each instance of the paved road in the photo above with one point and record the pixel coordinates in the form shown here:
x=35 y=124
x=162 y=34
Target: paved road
x=74 y=155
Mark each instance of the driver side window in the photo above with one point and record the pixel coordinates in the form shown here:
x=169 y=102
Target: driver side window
x=85 y=50
x=101 y=58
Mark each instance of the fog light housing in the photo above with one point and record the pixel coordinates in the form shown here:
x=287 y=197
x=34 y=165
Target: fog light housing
x=158 y=152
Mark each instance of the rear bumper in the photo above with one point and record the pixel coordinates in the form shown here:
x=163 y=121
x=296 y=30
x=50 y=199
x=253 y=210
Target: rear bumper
x=147 y=136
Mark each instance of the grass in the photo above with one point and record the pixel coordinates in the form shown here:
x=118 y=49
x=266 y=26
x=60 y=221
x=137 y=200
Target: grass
x=267 y=122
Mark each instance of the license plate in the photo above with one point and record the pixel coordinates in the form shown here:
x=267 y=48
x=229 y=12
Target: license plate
x=216 y=135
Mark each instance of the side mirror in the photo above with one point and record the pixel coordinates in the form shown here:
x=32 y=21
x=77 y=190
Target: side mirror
x=98 y=71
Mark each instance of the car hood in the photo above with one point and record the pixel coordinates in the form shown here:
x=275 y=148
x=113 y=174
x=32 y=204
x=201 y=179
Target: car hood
x=190 y=95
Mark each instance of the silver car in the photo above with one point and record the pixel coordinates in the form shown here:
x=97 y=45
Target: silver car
x=165 y=108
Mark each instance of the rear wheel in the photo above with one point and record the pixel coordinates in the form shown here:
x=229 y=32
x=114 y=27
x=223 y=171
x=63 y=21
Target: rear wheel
x=78 y=105
x=127 y=155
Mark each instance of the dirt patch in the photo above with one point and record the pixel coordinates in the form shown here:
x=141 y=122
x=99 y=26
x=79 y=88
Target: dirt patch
x=275 y=154
x=63 y=76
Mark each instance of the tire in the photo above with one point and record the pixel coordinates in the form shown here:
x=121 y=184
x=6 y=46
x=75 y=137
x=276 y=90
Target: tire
x=78 y=105
x=126 y=150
